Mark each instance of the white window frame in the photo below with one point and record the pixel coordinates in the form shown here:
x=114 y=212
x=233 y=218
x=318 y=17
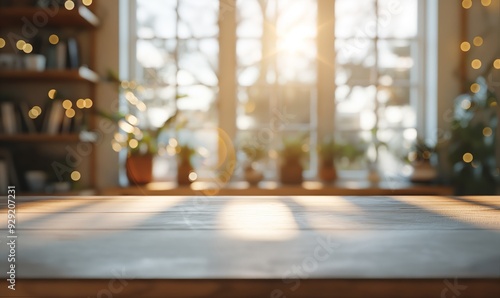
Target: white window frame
x=325 y=103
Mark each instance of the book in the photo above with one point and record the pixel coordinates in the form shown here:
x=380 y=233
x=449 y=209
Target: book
x=73 y=60
x=29 y=124
x=9 y=121
x=54 y=119
x=61 y=55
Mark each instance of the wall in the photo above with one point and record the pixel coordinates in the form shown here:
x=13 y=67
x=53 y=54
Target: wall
x=107 y=95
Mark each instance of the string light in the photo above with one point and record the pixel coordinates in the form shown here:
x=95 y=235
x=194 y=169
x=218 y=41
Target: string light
x=87 y=2
x=80 y=103
x=466 y=104
x=54 y=39
x=468 y=157
x=70 y=113
x=76 y=176
x=88 y=103
x=2 y=43
x=52 y=93
x=487 y=132
x=475 y=88
x=467 y=4
x=133 y=143
x=20 y=44
x=476 y=64
x=27 y=48
x=496 y=64
x=486 y=3
x=465 y=46
x=67 y=104
x=69 y=5
x=478 y=41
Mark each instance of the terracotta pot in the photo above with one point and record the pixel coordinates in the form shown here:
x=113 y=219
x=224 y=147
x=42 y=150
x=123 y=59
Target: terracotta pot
x=252 y=176
x=139 y=169
x=327 y=172
x=291 y=173
x=423 y=172
x=183 y=171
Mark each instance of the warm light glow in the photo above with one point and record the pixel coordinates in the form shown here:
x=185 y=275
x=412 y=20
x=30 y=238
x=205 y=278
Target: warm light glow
x=173 y=142
x=125 y=126
x=69 y=5
x=486 y=2
x=54 y=39
x=465 y=46
x=133 y=143
x=466 y=104
x=87 y=2
x=487 y=132
x=20 y=44
x=478 y=41
x=76 y=176
x=193 y=176
x=80 y=103
x=116 y=146
x=28 y=48
x=37 y=110
x=2 y=43
x=70 y=113
x=141 y=106
x=88 y=103
x=132 y=119
x=254 y=220
x=52 y=93
x=475 y=88
x=496 y=64
x=476 y=64
x=67 y=104
x=468 y=158
x=467 y=4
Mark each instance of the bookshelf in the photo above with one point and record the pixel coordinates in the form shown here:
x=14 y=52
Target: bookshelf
x=71 y=146
x=82 y=74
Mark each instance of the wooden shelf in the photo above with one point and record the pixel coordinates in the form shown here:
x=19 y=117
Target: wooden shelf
x=87 y=137
x=82 y=74
x=80 y=17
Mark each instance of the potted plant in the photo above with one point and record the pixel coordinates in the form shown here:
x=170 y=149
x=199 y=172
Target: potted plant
x=327 y=152
x=292 y=155
x=139 y=139
x=473 y=147
x=420 y=158
x=185 y=171
x=254 y=154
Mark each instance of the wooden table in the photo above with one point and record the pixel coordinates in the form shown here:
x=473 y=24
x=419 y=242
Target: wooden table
x=288 y=246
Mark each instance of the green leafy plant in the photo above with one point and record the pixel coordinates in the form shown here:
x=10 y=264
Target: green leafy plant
x=293 y=150
x=328 y=151
x=138 y=138
x=473 y=141
x=254 y=153
x=421 y=152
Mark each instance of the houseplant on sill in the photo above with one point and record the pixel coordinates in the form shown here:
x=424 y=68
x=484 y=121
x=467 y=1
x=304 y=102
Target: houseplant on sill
x=327 y=153
x=254 y=154
x=421 y=160
x=292 y=156
x=185 y=171
x=139 y=139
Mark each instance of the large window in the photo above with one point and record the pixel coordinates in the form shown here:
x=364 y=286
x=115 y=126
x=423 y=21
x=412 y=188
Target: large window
x=374 y=80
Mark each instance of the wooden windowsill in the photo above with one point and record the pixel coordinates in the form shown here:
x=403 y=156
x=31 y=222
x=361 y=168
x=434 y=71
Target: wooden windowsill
x=270 y=188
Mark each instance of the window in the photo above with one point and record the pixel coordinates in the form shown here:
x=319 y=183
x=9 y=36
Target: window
x=371 y=87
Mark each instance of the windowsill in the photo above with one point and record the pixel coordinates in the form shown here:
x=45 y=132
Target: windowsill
x=270 y=188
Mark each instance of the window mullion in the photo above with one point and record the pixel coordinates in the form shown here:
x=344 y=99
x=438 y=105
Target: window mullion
x=326 y=68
